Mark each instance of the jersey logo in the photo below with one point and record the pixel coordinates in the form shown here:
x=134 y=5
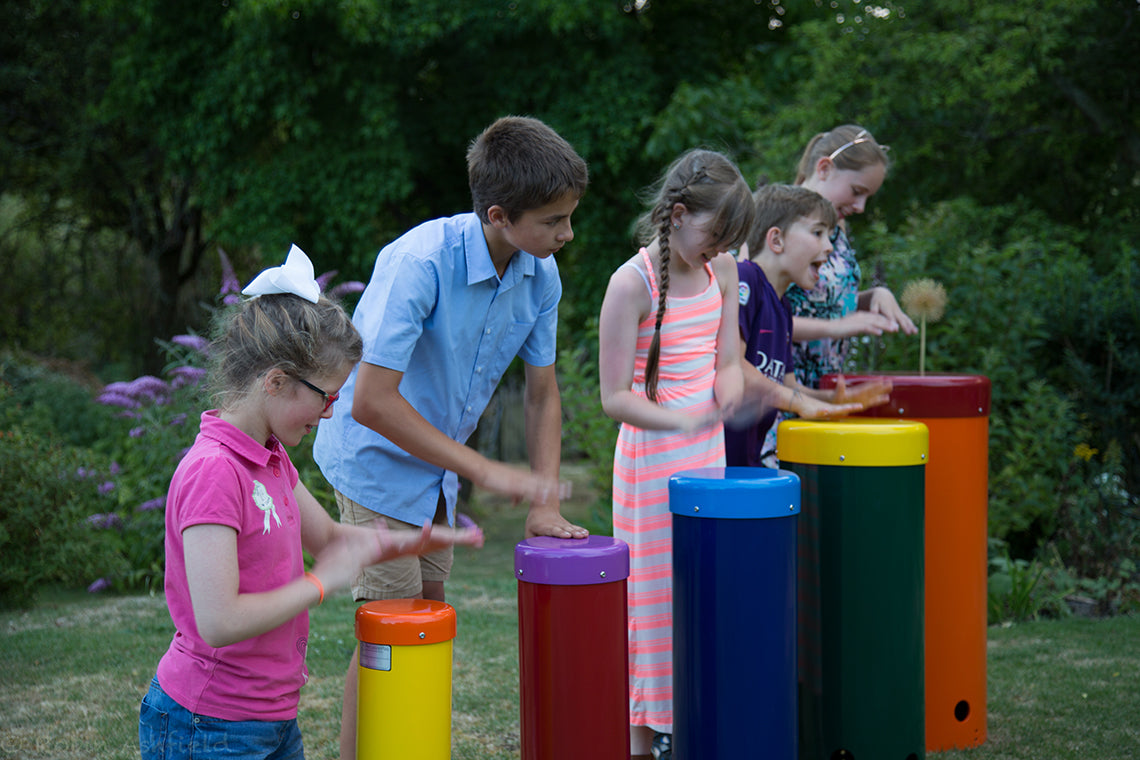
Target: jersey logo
x=745 y=293
x=265 y=503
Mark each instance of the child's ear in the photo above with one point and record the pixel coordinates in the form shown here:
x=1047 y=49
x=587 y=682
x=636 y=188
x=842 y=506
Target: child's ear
x=823 y=167
x=274 y=381
x=677 y=214
x=774 y=240
x=498 y=217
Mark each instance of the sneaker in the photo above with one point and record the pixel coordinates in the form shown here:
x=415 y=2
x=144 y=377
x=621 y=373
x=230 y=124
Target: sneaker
x=662 y=748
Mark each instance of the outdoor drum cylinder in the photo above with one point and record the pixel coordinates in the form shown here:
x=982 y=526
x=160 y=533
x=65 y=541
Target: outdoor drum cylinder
x=955 y=408
x=404 y=679
x=860 y=592
x=734 y=612
x=573 y=648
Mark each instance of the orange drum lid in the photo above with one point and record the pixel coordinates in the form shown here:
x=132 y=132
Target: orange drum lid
x=405 y=622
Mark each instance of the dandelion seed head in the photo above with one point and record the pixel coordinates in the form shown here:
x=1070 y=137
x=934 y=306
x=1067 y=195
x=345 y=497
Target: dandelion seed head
x=924 y=299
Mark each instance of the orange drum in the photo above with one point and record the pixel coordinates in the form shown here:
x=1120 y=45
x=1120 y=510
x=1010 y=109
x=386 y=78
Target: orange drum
x=955 y=409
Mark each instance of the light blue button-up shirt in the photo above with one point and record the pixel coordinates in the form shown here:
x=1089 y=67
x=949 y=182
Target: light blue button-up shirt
x=436 y=310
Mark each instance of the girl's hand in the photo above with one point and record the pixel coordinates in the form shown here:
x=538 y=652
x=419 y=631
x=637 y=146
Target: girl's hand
x=863 y=323
x=883 y=302
x=429 y=538
x=338 y=564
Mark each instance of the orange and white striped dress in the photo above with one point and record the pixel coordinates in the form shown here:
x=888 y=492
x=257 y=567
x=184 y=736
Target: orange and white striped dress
x=643 y=462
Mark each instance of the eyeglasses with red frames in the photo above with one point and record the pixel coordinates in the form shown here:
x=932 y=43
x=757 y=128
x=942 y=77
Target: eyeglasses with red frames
x=330 y=398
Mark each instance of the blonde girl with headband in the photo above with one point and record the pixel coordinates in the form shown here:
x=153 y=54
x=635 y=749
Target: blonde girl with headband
x=238 y=520
x=669 y=371
x=847 y=166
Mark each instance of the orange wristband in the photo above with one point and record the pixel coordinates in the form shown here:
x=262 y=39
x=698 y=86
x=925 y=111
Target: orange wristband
x=320 y=587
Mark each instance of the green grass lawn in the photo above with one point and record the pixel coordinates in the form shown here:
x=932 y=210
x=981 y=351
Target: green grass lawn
x=73 y=669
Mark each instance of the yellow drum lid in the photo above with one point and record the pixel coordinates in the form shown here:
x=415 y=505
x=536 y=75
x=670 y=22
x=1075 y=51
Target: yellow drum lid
x=853 y=442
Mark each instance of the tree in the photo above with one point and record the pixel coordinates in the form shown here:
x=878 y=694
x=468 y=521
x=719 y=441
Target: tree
x=182 y=125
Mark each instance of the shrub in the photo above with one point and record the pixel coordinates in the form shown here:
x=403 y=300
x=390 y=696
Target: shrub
x=43 y=399
x=1006 y=270
x=49 y=497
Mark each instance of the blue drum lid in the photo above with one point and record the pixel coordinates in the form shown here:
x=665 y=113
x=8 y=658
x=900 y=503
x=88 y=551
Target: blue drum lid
x=735 y=493
x=571 y=561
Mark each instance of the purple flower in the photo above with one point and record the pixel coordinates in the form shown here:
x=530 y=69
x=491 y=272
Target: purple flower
x=115 y=468
x=137 y=432
x=148 y=387
x=186 y=375
x=193 y=342
x=178 y=419
x=105 y=521
x=352 y=286
x=147 y=506
x=117 y=398
x=82 y=473
x=106 y=487
x=230 y=283
x=100 y=585
x=324 y=280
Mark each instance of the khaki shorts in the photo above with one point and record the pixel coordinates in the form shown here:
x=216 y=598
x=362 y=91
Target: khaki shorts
x=403 y=577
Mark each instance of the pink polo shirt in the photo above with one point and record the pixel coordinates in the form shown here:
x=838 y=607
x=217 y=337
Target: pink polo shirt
x=227 y=478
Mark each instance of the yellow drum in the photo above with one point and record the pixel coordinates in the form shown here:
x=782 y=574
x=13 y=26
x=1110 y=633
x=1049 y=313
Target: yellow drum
x=404 y=679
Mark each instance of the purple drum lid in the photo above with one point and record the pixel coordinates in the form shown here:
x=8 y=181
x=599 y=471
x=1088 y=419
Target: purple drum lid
x=571 y=561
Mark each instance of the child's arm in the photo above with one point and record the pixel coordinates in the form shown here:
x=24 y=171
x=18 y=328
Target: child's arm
x=625 y=304
x=543 y=414
x=225 y=616
x=378 y=404
x=729 y=382
x=856 y=323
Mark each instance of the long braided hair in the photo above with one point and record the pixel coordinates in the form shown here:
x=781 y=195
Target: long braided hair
x=703 y=181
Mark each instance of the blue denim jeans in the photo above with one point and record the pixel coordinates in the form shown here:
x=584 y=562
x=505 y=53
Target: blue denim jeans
x=167 y=731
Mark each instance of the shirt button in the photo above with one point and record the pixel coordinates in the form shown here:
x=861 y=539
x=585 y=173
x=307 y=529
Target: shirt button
x=487 y=331
x=276 y=472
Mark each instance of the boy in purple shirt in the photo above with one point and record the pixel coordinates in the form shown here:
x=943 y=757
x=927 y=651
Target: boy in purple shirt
x=790 y=240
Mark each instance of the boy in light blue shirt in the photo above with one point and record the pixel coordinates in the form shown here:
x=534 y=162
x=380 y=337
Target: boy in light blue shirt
x=448 y=307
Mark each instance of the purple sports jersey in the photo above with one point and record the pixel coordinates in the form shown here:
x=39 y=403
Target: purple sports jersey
x=766 y=325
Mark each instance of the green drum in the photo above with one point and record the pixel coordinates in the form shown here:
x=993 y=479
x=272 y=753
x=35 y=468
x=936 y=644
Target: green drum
x=860 y=589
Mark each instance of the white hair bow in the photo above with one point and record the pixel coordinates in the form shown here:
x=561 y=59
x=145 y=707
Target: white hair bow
x=294 y=276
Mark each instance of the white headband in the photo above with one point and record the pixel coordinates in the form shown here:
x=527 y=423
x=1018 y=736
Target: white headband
x=294 y=276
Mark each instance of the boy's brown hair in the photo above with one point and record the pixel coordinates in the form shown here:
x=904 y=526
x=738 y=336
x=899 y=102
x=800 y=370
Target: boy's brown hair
x=519 y=163
x=780 y=206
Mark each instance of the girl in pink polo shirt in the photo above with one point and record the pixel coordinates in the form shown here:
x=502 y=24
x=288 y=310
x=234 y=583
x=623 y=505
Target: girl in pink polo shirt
x=238 y=520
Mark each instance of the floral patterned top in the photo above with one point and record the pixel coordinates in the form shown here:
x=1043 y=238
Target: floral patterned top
x=836 y=295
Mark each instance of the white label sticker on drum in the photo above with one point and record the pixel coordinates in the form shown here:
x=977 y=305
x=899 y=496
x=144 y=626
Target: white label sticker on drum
x=375 y=656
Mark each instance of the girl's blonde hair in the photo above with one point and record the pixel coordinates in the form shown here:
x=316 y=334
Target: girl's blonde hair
x=703 y=181
x=850 y=147
x=284 y=331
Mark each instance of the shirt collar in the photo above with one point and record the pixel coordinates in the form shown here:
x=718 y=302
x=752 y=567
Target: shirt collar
x=479 y=264
x=215 y=428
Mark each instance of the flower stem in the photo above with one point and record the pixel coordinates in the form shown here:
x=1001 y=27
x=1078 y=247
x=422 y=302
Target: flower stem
x=922 y=347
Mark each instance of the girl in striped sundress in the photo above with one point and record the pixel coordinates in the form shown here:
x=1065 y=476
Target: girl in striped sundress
x=669 y=371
